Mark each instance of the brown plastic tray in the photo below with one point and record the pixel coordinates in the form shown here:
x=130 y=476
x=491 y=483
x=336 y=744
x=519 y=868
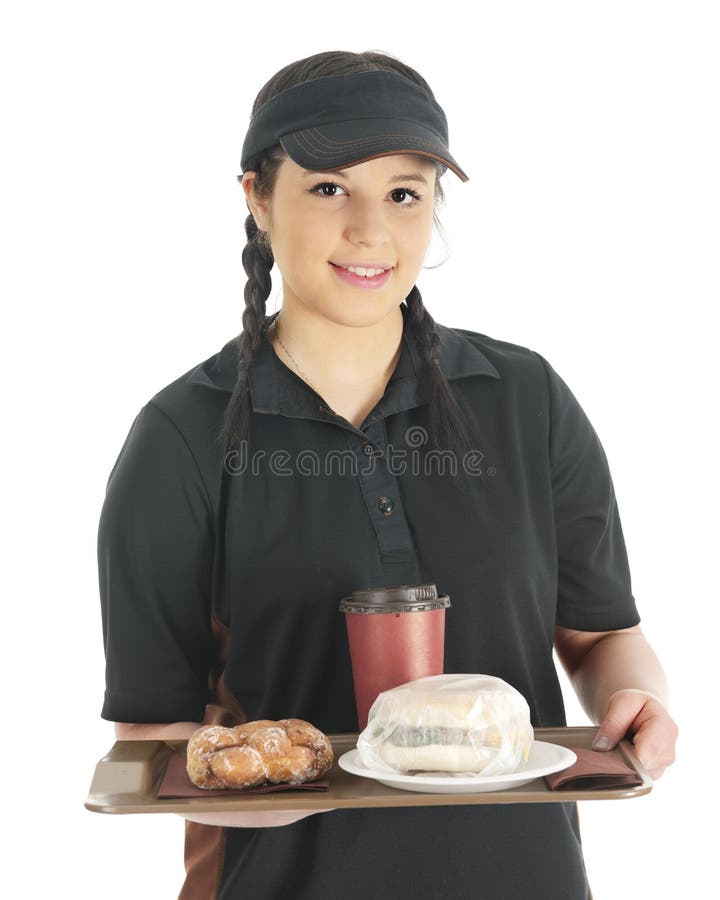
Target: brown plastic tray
x=127 y=780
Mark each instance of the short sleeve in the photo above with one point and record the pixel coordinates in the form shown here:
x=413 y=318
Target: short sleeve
x=154 y=563
x=594 y=586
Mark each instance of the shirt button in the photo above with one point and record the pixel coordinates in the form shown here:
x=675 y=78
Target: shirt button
x=385 y=505
x=369 y=449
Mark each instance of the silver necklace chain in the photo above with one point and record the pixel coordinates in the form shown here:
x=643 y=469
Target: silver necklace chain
x=275 y=334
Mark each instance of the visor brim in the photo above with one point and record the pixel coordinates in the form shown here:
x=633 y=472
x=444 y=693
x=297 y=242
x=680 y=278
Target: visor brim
x=339 y=144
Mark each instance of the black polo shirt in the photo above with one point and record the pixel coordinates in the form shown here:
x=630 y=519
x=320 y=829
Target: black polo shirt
x=220 y=582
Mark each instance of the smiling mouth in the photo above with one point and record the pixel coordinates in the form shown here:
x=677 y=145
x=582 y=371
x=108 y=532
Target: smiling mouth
x=358 y=280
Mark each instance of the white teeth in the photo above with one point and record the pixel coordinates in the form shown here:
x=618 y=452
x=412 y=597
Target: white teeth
x=368 y=273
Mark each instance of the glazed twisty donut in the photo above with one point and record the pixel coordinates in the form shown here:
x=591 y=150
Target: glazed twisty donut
x=287 y=750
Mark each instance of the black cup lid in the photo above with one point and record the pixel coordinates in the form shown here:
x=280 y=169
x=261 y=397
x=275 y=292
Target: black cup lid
x=397 y=598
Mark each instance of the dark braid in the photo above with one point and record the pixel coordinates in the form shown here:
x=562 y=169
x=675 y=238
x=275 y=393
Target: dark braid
x=448 y=423
x=257 y=260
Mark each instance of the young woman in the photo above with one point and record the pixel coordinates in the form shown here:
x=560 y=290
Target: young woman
x=229 y=532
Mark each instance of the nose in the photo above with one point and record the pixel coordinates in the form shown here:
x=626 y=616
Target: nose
x=366 y=223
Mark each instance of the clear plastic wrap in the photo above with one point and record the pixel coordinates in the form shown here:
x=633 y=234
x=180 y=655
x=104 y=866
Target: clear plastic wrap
x=456 y=723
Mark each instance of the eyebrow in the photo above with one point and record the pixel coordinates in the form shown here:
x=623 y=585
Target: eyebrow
x=412 y=176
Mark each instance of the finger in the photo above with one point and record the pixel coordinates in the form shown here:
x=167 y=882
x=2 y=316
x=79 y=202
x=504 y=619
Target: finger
x=622 y=710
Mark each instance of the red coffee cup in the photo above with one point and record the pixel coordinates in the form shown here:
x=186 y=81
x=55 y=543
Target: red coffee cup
x=396 y=634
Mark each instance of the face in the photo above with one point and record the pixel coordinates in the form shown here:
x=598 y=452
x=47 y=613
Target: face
x=370 y=215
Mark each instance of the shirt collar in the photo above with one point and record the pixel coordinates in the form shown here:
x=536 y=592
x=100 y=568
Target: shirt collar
x=274 y=387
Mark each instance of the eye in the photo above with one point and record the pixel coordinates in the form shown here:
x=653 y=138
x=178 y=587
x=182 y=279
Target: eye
x=317 y=189
x=409 y=191
x=321 y=185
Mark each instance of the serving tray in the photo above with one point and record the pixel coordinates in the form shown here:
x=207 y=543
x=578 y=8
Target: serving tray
x=127 y=779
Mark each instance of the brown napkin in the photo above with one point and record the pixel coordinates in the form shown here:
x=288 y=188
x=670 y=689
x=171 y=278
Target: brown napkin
x=594 y=770
x=176 y=783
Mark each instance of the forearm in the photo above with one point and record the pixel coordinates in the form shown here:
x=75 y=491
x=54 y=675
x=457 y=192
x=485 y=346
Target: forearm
x=617 y=662
x=170 y=731
x=260 y=819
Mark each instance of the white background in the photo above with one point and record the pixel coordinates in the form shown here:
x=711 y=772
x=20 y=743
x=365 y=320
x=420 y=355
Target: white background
x=588 y=231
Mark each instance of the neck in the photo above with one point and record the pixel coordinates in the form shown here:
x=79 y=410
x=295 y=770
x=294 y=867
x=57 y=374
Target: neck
x=336 y=354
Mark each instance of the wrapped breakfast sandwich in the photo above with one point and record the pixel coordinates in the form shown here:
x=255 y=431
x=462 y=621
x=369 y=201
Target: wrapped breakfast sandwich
x=448 y=723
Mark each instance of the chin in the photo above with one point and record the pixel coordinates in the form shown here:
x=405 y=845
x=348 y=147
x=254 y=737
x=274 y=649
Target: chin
x=364 y=315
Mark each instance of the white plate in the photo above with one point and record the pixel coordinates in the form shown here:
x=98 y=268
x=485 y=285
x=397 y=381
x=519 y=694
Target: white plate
x=543 y=760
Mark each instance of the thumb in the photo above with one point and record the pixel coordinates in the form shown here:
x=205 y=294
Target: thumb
x=622 y=708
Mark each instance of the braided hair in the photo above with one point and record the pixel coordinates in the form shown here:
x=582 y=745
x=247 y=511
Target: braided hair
x=448 y=423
